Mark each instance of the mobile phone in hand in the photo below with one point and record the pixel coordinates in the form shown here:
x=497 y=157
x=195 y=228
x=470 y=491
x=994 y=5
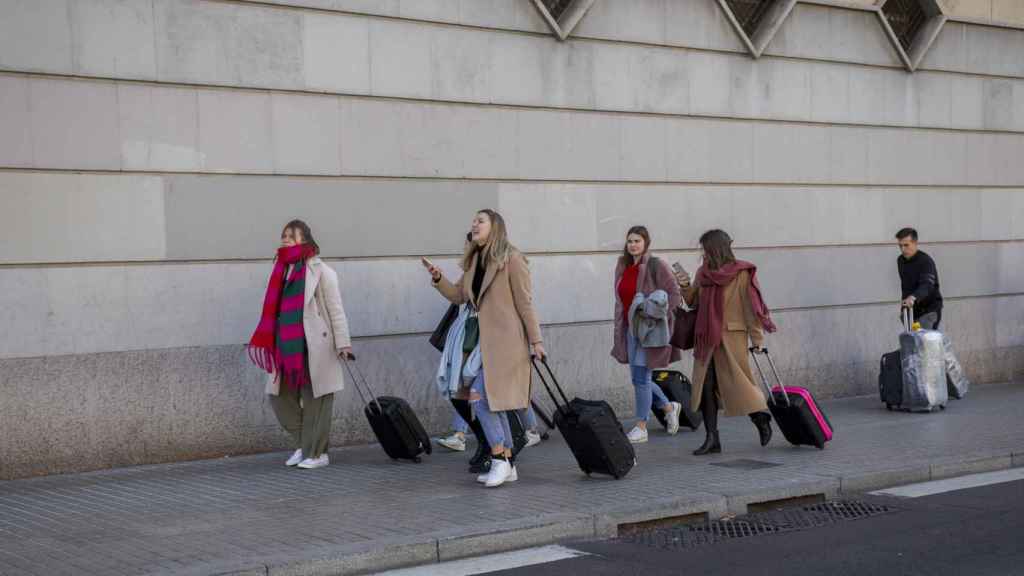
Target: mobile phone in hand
x=679 y=269
x=427 y=263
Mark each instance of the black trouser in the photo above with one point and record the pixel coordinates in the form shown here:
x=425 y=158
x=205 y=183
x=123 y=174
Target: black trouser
x=709 y=401
x=464 y=410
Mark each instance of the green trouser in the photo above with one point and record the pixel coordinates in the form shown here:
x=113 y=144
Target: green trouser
x=306 y=418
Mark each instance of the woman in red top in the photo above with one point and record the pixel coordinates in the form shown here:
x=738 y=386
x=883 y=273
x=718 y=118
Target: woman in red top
x=632 y=277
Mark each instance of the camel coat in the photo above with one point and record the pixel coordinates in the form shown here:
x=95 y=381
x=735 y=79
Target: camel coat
x=326 y=327
x=662 y=280
x=508 y=325
x=738 y=392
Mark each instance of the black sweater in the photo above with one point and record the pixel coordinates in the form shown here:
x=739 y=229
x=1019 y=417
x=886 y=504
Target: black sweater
x=920 y=279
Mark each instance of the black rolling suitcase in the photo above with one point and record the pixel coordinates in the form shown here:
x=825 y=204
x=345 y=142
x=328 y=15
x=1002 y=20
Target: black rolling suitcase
x=394 y=422
x=677 y=388
x=796 y=412
x=592 y=432
x=890 y=379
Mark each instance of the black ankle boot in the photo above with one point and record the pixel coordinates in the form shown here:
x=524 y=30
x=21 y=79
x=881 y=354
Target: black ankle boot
x=711 y=445
x=481 y=467
x=763 y=422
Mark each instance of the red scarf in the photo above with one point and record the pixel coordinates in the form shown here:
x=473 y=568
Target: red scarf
x=283 y=348
x=711 y=310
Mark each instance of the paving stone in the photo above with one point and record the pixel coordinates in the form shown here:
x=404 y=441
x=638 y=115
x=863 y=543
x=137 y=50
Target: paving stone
x=252 y=515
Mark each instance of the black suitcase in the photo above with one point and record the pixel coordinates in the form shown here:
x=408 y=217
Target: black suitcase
x=796 y=413
x=677 y=388
x=890 y=380
x=592 y=431
x=393 y=421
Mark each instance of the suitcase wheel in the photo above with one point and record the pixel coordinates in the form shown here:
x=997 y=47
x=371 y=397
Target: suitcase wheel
x=417 y=459
x=888 y=407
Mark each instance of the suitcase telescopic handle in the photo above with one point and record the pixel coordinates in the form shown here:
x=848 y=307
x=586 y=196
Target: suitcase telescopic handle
x=554 y=380
x=764 y=379
x=907 y=318
x=355 y=382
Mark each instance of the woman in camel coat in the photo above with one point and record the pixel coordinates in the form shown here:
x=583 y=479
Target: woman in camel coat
x=496 y=282
x=731 y=319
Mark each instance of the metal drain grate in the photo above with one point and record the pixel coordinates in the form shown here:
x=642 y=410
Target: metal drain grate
x=750 y=525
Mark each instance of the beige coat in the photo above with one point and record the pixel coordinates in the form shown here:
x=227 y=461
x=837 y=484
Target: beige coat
x=508 y=324
x=738 y=393
x=326 y=327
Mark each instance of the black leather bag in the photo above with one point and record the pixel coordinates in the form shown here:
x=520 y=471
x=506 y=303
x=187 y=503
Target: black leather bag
x=440 y=335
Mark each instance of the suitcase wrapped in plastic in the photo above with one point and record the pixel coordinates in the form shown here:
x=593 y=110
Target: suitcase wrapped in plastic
x=913 y=378
x=924 y=371
x=796 y=413
x=393 y=421
x=956 y=380
x=592 y=431
x=677 y=388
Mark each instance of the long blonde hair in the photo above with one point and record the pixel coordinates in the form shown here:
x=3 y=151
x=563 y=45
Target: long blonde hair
x=497 y=250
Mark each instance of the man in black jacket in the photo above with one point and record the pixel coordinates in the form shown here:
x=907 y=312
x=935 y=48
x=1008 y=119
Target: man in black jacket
x=920 y=281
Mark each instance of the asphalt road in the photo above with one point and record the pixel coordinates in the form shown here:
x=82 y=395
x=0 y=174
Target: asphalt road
x=976 y=531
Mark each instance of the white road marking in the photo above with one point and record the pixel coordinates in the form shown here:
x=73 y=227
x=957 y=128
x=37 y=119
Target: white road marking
x=951 y=484
x=492 y=563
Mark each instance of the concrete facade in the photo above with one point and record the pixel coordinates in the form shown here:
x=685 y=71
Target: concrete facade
x=150 y=152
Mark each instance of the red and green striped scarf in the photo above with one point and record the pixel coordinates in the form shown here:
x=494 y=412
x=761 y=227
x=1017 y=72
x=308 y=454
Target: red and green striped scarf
x=279 y=342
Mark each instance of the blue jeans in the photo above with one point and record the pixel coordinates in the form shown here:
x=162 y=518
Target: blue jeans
x=646 y=392
x=458 y=424
x=495 y=424
x=529 y=418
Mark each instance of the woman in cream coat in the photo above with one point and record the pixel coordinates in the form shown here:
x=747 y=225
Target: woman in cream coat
x=303 y=400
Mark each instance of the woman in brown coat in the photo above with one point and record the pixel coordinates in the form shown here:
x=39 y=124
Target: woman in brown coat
x=731 y=318
x=496 y=283
x=637 y=276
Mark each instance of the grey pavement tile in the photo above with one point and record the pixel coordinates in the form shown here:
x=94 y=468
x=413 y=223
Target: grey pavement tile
x=249 y=513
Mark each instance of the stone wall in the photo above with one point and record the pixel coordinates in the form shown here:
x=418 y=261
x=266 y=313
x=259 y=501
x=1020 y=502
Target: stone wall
x=151 y=151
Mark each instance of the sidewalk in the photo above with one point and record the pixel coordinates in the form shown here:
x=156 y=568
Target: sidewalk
x=251 y=515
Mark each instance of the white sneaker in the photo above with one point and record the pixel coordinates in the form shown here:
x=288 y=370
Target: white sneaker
x=483 y=477
x=295 y=459
x=456 y=442
x=532 y=438
x=637 y=435
x=672 y=418
x=311 y=463
x=501 y=471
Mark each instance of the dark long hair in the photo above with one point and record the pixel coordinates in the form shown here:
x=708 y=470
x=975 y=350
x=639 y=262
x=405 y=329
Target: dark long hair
x=717 y=247
x=627 y=259
x=305 y=230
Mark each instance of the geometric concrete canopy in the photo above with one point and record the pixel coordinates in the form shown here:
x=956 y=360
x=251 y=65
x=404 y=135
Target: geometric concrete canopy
x=756 y=21
x=911 y=26
x=562 y=15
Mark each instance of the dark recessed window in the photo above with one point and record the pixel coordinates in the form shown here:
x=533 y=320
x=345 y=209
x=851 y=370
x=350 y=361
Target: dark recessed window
x=749 y=13
x=906 y=17
x=557 y=7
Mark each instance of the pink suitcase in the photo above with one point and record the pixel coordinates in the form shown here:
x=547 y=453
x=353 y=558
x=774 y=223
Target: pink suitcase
x=796 y=413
